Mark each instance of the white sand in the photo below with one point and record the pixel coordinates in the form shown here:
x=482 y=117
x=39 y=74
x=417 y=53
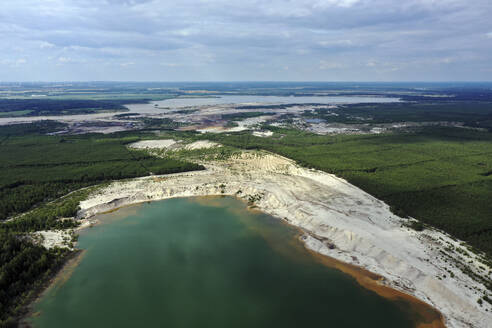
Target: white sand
x=262 y=133
x=202 y=144
x=331 y=212
x=170 y=144
x=159 y=144
x=52 y=238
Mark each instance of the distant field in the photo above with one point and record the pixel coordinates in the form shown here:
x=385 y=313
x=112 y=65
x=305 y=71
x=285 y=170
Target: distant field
x=441 y=176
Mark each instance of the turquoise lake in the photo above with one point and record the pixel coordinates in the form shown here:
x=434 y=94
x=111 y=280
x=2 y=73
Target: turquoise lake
x=206 y=262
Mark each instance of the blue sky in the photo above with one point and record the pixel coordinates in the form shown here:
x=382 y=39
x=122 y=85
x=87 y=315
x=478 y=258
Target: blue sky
x=219 y=40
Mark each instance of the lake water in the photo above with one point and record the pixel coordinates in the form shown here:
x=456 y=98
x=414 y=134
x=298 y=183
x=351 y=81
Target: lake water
x=206 y=262
x=185 y=102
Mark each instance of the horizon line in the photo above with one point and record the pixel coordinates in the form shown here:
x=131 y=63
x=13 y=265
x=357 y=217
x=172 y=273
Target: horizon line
x=242 y=81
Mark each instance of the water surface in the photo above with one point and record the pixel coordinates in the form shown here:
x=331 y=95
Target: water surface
x=185 y=102
x=206 y=262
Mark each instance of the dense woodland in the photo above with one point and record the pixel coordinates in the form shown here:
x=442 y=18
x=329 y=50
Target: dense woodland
x=243 y=115
x=24 y=267
x=35 y=170
x=475 y=114
x=39 y=107
x=151 y=123
x=472 y=113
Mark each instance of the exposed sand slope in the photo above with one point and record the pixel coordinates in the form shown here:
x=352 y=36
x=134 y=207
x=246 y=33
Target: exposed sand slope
x=339 y=219
x=262 y=133
x=202 y=144
x=52 y=238
x=170 y=144
x=161 y=144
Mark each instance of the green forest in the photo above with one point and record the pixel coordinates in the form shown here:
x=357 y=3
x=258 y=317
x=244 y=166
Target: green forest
x=24 y=268
x=471 y=113
x=35 y=168
x=38 y=107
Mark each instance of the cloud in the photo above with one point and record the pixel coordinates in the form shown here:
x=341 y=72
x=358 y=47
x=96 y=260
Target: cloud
x=170 y=64
x=339 y=3
x=336 y=43
x=324 y=65
x=13 y=63
x=230 y=39
x=46 y=45
x=65 y=60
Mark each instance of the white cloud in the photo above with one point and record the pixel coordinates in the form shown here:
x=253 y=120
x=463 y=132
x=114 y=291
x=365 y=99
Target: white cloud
x=325 y=65
x=336 y=43
x=338 y=3
x=446 y=60
x=170 y=64
x=302 y=51
x=46 y=45
x=65 y=60
x=13 y=62
x=230 y=38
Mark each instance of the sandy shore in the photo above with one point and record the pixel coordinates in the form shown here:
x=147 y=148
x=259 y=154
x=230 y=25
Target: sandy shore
x=338 y=219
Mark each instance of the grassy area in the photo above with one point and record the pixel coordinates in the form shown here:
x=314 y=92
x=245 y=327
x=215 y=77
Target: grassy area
x=441 y=176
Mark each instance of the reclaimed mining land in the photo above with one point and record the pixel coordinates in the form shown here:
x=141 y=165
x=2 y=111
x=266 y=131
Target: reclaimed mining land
x=400 y=189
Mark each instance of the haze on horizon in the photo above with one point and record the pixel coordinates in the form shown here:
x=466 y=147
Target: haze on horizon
x=219 y=40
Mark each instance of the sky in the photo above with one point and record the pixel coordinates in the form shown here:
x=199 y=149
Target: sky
x=257 y=40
